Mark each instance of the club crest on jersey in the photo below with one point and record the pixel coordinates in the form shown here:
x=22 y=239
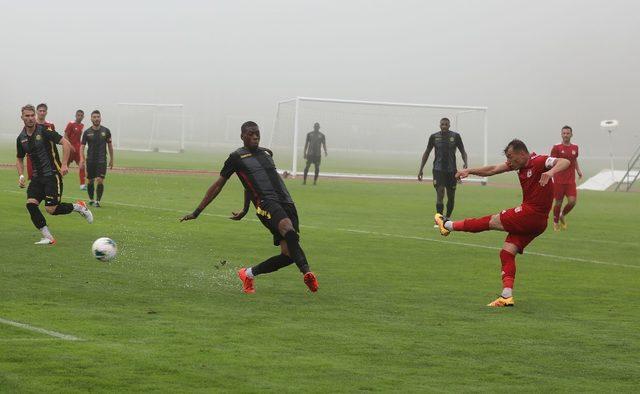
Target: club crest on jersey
x=49 y=128
x=451 y=139
x=529 y=173
x=38 y=137
x=104 y=134
x=573 y=152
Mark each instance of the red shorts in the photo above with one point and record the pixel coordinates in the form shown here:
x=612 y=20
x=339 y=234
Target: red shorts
x=564 y=189
x=75 y=156
x=523 y=224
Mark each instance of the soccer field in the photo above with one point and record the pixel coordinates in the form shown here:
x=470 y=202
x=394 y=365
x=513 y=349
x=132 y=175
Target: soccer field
x=399 y=308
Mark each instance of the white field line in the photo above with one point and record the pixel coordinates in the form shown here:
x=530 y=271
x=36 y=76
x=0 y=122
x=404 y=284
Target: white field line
x=39 y=330
x=577 y=259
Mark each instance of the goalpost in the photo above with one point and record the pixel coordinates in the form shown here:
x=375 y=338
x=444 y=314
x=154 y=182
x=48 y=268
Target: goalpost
x=150 y=127
x=371 y=139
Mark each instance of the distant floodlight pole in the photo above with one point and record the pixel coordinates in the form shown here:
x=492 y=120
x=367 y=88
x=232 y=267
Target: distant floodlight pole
x=609 y=126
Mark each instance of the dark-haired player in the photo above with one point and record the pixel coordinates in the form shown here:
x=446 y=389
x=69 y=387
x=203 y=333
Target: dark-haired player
x=445 y=142
x=39 y=142
x=98 y=139
x=73 y=133
x=275 y=208
x=564 y=183
x=313 y=146
x=522 y=223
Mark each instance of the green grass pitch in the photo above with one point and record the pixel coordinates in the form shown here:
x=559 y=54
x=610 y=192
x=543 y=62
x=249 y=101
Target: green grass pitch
x=399 y=307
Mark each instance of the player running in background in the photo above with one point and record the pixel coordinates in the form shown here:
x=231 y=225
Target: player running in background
x=41 y=118
x=274 y=207
x=445 y=143
x=98 y=139
x=522 y=223
x=564 y=183
x=73 y=133
x=39 y=142
x=313 y=153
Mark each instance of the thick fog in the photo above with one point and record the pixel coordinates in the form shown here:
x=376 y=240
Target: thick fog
x=536 y=65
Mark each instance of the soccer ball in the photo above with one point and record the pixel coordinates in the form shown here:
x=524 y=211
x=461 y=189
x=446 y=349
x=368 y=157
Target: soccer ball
x=104 y=249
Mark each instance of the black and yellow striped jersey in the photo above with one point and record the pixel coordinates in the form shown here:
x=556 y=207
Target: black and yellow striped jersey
x=258 y=175
x=41 y=148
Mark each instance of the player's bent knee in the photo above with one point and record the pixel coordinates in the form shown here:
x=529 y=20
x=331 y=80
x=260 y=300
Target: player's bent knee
x=495 y=223
x=33 y=201
x=510 y=248
x=285 y=225
x=284 y=249
x=51 y=209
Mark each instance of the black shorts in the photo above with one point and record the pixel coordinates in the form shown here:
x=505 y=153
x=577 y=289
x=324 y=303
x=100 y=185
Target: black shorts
x=444 y=178
x=271 y=213
x=314 y=160
x=47 y=188
x=96 y=170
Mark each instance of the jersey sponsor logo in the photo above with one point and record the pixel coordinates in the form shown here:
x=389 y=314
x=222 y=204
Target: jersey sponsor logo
x=262 y=212
x=24 y=141
x=246 y=155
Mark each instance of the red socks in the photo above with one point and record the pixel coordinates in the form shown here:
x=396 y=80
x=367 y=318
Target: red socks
x=474 y=225
x=556 y=213
x=82 y=175
x=508 y=268
x=567 y=208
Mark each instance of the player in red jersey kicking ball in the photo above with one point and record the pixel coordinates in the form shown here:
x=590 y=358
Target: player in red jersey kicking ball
x=522 y=223
x=564 y=182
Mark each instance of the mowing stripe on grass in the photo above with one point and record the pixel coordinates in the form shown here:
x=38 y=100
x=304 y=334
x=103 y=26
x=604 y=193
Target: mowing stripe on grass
x=39 y=330
x=577 y=259
x=487 y=247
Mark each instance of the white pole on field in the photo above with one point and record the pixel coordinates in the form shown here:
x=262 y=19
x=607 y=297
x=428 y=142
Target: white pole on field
x=294 y=168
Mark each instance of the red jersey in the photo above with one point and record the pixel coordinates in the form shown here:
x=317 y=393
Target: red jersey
x=569 y=152
x=534 y=195
x=73 y=132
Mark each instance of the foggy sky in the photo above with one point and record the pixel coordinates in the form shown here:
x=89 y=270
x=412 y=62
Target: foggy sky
x=536 y=65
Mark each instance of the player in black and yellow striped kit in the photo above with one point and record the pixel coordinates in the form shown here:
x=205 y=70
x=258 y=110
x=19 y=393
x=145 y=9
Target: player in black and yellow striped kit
x=39 y=142
x=275 y=208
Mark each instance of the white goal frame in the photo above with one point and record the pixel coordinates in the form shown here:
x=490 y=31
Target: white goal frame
x=296 y=131
x=154 y=126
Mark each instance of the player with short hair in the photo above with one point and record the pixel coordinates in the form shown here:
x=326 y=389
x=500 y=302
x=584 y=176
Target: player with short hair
x=312 y=151
x=274 y=206
x=73 y=133
x=522 y=223
x=39 y=142
x=98 y=139
x=564 y=183
x=445 y=142
x=41 y=118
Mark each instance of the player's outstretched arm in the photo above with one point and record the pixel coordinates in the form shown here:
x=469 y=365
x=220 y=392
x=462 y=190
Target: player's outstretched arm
x=245 y=207
x=558 y=166
x=20 y=167
x=110 y=146
x=209 y=196
x=66 y=152
x=483 y=171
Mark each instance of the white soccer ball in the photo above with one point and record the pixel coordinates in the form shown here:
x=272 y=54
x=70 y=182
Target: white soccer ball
x=104 y=249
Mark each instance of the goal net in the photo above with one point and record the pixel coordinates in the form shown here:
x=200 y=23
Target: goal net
x=150 y=127
x=372 y=139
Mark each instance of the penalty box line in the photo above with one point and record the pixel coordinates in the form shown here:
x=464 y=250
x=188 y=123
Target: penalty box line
x=39 y=330
x=374 y=233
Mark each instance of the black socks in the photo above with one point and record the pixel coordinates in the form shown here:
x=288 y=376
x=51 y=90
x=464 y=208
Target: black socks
x=100 y=189
x=271 y=264
x=90 y=187
x=36 y=216
x=64 y=208
x=296 y=251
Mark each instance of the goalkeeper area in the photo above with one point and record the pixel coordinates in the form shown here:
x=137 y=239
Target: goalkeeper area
x=368 y=139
